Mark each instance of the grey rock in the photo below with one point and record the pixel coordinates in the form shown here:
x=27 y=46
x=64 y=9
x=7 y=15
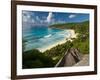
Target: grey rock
x=71 y=57
x=84 y=61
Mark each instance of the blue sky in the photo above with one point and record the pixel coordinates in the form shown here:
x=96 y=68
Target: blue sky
x=43 y=18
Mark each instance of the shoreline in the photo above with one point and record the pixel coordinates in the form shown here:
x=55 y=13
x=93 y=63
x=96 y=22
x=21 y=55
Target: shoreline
x=71 y=34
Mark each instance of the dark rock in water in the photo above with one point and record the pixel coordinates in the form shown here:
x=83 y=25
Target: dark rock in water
x=71 y=57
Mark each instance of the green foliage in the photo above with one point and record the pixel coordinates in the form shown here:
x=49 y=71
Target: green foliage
x=36 y=59
x=81 y=27
x=58 y=51
x=82 y=41
x=82 y=45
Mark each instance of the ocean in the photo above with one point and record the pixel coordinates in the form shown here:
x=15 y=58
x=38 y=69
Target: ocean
x=39 y=37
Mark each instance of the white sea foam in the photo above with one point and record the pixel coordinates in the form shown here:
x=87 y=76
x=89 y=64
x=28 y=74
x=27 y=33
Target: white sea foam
x=71 y=34
x=48 y=36
x=50 y=40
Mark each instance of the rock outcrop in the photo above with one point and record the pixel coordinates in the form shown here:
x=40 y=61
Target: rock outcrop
x=71 y=57
x=84 y=61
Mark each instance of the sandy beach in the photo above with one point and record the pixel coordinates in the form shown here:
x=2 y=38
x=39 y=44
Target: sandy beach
x=71 y=34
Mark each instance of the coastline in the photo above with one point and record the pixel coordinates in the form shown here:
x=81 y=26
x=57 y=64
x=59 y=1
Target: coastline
x=71 y=34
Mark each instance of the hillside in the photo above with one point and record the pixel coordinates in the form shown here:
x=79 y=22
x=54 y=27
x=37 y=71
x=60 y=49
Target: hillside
x=81 y=27
x=49 y=58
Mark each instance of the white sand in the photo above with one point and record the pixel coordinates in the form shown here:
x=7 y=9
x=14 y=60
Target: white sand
x=72 y=34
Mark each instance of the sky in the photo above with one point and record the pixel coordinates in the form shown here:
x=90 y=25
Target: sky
x=48 y=18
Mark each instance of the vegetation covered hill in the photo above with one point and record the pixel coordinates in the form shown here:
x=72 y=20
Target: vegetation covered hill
x=81 y=27
x=36 y=59
x=82 y=40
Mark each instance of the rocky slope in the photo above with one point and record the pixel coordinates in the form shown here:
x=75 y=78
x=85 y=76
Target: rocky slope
x=73 y=57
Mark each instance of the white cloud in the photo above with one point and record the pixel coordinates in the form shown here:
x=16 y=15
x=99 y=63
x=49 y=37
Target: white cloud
x=37 y=18
x=49 y=17
x=33 y=21
x=72 y=16
x=27 y=16
x=30 y=17
x=42 y=21
x=24 y=18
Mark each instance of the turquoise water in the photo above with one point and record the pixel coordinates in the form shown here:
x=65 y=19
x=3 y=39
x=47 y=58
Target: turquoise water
x=40 y=37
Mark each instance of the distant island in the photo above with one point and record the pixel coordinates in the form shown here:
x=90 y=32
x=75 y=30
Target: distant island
x=49 y=58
